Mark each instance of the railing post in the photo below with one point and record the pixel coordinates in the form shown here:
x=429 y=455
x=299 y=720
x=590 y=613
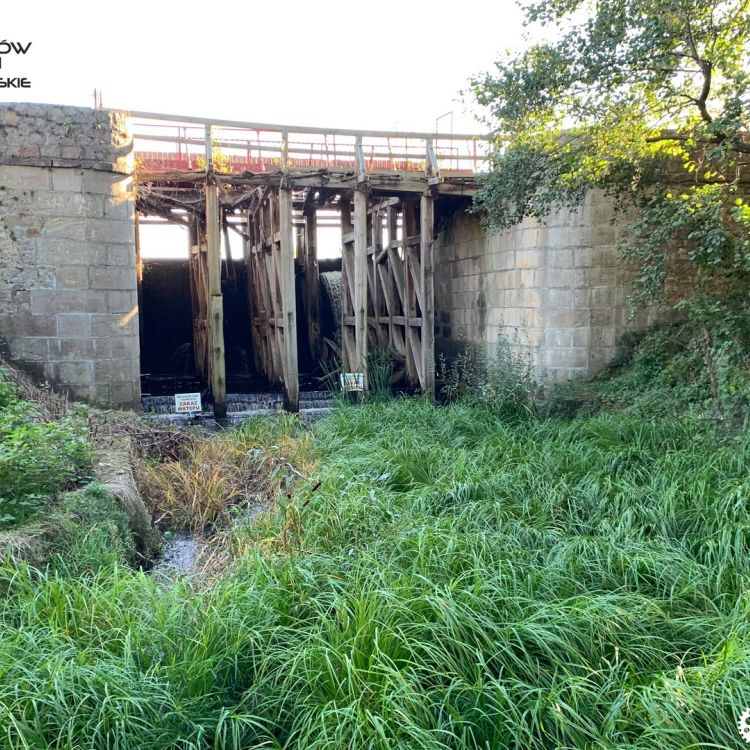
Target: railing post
x=360 y=157
x=285 y=150
x=209 y=156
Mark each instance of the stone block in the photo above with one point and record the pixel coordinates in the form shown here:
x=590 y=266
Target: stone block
x=125 y=395
x=52 y=302
x=566 y=318
x=121 y=302
x=72 y=277
x=67 y=180
x=74 y=252
x=88 y=393
x=566 y=357
x=602 y=337
x=111 y=231
x=560 y=258
x=114 y=325
x=112 y=278
x=75 y=373
x=72 y=325
x=559 y=298
x=121 y=255
x=602 y=316
x=107 y=183
x=68 y=205
x=563 y=278
x=24 y=178
x=29 y=349
x=116 y=371
x=530 y=298
x=64 y=228
x=77 y=349
x=529 y=258
x=125 y=347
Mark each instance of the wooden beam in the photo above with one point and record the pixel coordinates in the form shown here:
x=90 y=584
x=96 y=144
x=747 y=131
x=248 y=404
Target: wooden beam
x=216 y=364
x=347 y=282
x=198 y=297
x=413 y=359
x=359 y=360
x=312 y=284
x=427 y=226
x=288 y=301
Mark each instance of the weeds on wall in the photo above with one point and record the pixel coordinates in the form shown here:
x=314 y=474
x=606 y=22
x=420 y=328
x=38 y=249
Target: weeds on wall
x=501 y=377
x=688 y=368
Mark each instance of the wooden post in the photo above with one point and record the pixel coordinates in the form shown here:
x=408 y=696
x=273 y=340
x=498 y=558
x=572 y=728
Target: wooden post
x=312 y=284
x=359 y=360
x=216 y=364
x=427 y=221
x=347 y=285
x=248 y=247
x=410 y=296
x=139 y=275
x=198 y=296
x=288 y=301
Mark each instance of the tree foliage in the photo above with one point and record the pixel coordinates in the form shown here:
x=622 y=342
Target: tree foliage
x=648 y=99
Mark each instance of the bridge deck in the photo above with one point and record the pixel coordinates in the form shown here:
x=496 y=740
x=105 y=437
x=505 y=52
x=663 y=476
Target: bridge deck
x=175 y=148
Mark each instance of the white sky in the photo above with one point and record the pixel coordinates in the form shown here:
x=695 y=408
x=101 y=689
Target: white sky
x=386 y=64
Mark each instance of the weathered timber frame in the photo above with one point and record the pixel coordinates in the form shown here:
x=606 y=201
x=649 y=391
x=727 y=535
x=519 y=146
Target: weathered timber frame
x=387 y=230
x=269 y=254
x=394 y=283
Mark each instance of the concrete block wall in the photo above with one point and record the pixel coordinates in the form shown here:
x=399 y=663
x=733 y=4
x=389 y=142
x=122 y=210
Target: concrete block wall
x=555 y=290
x=68 y=295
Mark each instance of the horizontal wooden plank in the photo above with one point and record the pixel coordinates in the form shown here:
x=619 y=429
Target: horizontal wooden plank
x=295 y=129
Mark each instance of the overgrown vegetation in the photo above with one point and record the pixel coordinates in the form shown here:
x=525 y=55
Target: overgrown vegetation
x=40 y=455
x=666 y=373
x=213 y=482
x=498 y=377
x=441 y=578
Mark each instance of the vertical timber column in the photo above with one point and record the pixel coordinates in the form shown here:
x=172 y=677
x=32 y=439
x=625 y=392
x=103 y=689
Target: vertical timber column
x=288 y=306
x=312 y=283
x=359 y=360
x=427 y=222
x=216 y=365
x=408 y=231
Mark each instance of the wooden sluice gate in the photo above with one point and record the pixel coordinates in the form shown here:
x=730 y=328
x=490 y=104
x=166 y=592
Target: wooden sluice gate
x=384 y=188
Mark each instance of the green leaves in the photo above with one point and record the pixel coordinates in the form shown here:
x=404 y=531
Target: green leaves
x=37 y=460
x=626 y=84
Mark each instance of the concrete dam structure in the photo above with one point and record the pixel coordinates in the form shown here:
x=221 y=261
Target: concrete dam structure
x=414 y=273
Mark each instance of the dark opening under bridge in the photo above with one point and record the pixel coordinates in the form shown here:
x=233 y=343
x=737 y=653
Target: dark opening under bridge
x=267 y=183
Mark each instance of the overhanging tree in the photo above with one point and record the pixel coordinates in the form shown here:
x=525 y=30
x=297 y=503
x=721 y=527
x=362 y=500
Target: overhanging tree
x=648 y=100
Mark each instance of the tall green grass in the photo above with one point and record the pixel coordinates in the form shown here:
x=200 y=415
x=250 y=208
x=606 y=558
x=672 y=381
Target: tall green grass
x=455 y=582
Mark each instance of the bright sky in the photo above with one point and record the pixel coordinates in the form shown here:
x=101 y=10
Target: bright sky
x=387 y=64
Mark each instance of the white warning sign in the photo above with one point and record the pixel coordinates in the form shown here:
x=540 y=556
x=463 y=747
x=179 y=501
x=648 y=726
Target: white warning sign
x=352 y=381
x=187 y=403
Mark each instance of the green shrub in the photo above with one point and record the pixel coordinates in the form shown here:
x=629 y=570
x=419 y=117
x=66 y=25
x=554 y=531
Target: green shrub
x=37 y=459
